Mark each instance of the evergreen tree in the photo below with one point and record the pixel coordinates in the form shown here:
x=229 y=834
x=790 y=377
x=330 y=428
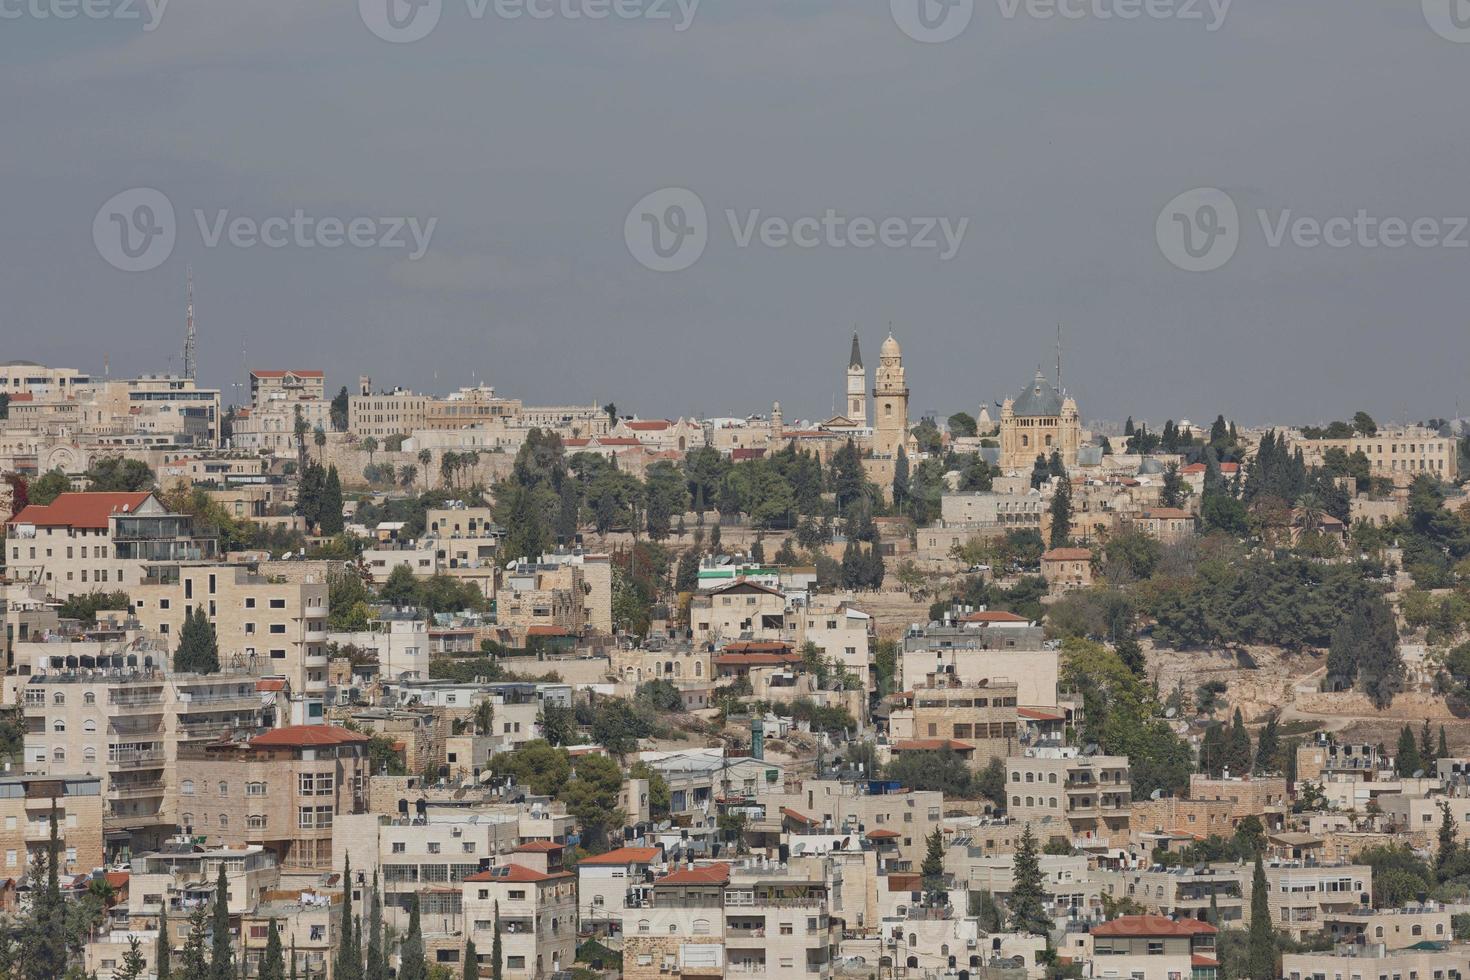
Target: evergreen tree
x=1238 y=746
x=1268 y=748
x=329 y=512
x=1449 y=847
x=900 y=481
x=1213 y=915
x=1426 y=746
x=686 y=577
x=377 y=965
x=293 y=959
x=221 y=957
x=786 y=555
x=196 y=956
x=1212 y=750
x=43 y=940
x=133 y=963
x=1261 y=950
x=1406 y=761
x=1131 y=653
x=1061 y=513
x=932 y=871
x=497 y=968
x=165 y=946
x=471 y=960
x=411 y=965
x=758 y=551
x=198 y=651
x=1128 y=429
x=1172 y=492
x=349 y=949
x=273 y=962
x=1028 y=893
x=1443 y=751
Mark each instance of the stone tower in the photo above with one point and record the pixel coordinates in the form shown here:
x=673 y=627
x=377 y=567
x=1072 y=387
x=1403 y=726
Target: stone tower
x=857 y=386
x=890 y=401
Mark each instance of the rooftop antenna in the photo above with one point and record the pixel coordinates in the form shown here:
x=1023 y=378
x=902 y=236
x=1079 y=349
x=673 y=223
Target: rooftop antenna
x=106 y=365
x=1059 y=358
x=190 y=342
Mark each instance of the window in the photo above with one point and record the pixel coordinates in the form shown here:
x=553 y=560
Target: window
x=224 y=788
x=89 y=725
x=187 y=787
x=255 y=789
x=400 y=847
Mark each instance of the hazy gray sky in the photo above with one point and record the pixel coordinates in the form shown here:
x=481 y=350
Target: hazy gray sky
x=528 y=140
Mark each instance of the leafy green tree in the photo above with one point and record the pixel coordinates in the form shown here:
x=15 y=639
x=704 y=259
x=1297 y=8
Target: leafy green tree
x=932 y=871
x=1027 y=904
x=558 y=725
x=1363 y=424
x=667 y=496
x=991 y=783
x=1261 y=958
x=536 y=765
x=119 y=474
x=941 y=770
x=1238 y=746
x=962 y=425
x=50 y=485
x=337 y=412
x=198 y=650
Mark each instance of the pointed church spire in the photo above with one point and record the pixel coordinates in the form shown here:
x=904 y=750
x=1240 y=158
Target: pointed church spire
x=856 y=361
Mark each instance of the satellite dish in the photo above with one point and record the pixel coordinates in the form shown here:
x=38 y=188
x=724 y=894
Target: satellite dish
x=1157 y=794
x=1091 y=749
x=1418 y=773
x=1171 y=712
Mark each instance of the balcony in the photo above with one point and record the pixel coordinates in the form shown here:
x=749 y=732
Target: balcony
x=731 y=932
x=134 y=791
x=136 y=760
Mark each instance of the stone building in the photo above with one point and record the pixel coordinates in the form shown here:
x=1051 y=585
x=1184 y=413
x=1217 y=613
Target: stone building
x=1037 y=422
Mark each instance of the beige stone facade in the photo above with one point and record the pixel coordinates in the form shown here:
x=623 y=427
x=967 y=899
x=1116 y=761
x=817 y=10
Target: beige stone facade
x=1037 y=422
x=26 y=806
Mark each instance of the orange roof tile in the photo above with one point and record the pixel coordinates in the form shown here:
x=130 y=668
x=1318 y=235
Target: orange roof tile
x=786 y=811
x=623 y=855
x=932 y=745
x=1153 y=925
x=540 y=847
x=516 y=874
x=89 y=510
x=709 y=874
x=993 y=616
x=882 y=834
x=306 y=736
x=1067 y=554
x=1036 y=714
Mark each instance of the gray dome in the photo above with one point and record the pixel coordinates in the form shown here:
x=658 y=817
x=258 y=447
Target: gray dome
x=1040 y=400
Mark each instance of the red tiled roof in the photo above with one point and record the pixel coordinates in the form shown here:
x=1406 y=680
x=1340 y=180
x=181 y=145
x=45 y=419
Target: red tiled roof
x=1036 y=714
x=1198 y=960
x=1067 y=554
x=739 y=454
x=881 y=834
x=906 y=881
x=932 y=745
x=1169 y=514
x=757 y=659
x=271 y=684
x=617 y=441
x=516 y=874
x=709 y=874
x=786 y=811
x=306 y=736
x=1153 y=925
x=89 y=510
x=650 y=425
x=743 y=581
x=623 y=855
x=548 y=631
x=575 y=442
x=756 y=646
x=993 y=616
x=22 y=396
x=540 y=847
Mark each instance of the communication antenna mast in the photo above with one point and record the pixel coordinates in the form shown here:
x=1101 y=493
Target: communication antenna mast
x=190 y=343
x=1059 y=358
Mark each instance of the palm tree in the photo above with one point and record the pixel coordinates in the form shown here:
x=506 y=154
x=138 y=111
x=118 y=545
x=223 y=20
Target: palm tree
x=408 y=475
x=425 y=458
x=448 y=463
x=320 y=438
x=370 y=446
x=1312 y=509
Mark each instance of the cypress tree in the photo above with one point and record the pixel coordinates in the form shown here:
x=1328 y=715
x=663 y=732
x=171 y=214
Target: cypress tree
x=330 y=509
x=1426 y=746
x=471 y=960
x=198 y=651
x=377 y=968
x=496 y=951
x=1268 y=747
x=900 y=480
x=196 y=958
x=1406 y=761
x=43 y=941
x=411 y=964
x=932 y=870
x=293 y=959
x=273 y=963
x=1443 y=752
x=349 y=950
x=161 y=955
x=1238 y=746
x=1261 y=951
x=221 y=957
x=1448 y=846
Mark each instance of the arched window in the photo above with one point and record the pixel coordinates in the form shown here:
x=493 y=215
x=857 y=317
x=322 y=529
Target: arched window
x=913 y=940
x=1015 y=801
x=59 y=755
x=698 y=669
x=701 y=927
x=1025 y=441
x=89 y=754
x=643 y=926
x=187 y=787
x=1051 y=777
x=224 y=820
x=224 y=788
x=89 y=698
x=58 y=725
x=89 y=725
x=1030 y=777
x=1015 y=777
x=58 y=698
